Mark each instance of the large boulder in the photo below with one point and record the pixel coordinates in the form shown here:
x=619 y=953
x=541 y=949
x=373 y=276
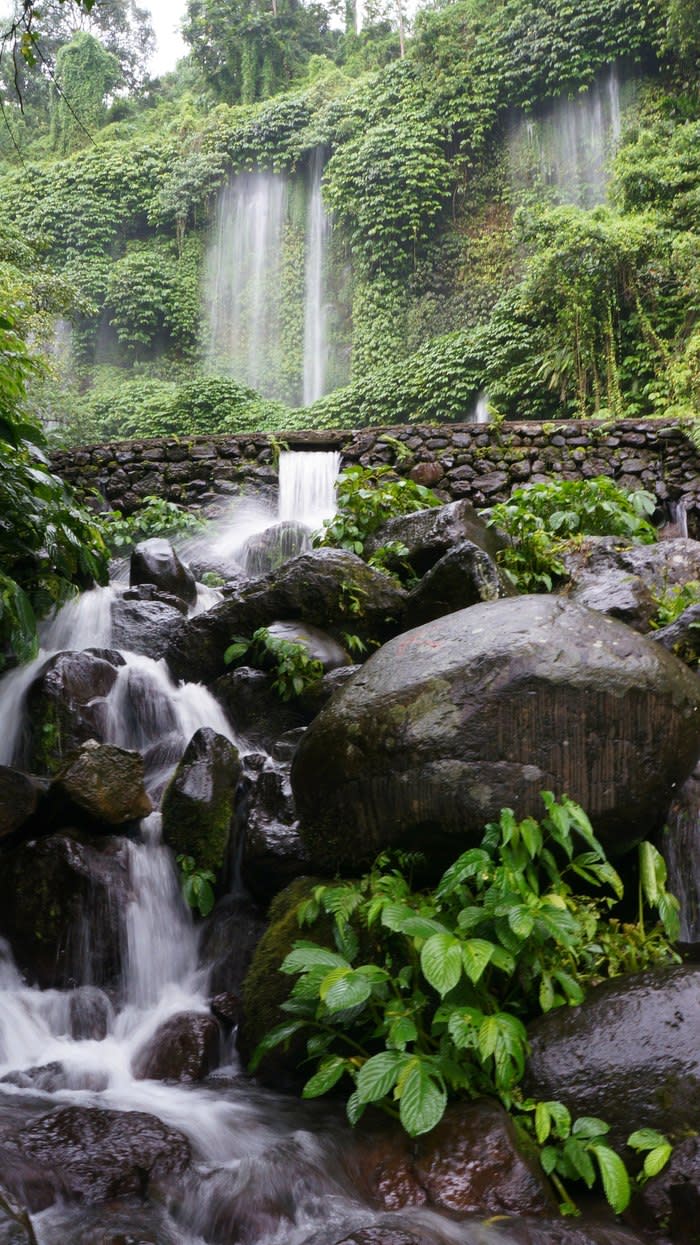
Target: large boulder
x=184 y=1047
x=62 y=902
x=629 y=1054
x=102 y=783
x=329 y=588
x=142 y=626
x=682 y=637
x=429 y=534
x=103 y=1154
x=618 y=594
x=228 y=942
x=268 y=550
x=66 y=705
x=670 y=1201
x=482 y=710
x=19 y=799
x=155 y=562
x=660 y=565
x=199 y=803
x=463 y=577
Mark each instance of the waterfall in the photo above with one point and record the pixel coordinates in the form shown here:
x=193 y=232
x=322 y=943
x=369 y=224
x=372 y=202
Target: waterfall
x=307 y=486
x=242 y=278
x=315 y=327
x=567 y=145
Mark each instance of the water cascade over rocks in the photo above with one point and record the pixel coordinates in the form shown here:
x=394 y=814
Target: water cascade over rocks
x=125 y=1110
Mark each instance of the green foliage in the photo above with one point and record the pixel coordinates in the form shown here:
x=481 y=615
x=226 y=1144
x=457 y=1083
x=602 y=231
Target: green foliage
x=48 y=544
x=427 y=993
x=197 y=888
x=365 y=498
x=541 y=519
x=154 y=517
x=85 y=74
x=671 y=603
x=294 y=670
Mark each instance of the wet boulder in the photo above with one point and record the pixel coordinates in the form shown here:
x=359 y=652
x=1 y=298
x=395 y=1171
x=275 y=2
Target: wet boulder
x=142 y=626
x=268 y=550
x=273 y=851
x=523 y=1230
x=682 y=637
x=66 y=706
x=318 y=644
x=618 y=594
x=103 y=784
x=103 y=1154
x=379 y=1234
x=429 y=534
x=670 y=1201
x=199 y=802
x=26 y=1187
x=183 y=1048
x=463 y=577
x=62 y=903
x=482 y=710
x=629 y=1054
x=660 y=565
x=329 y=588
x=20 y=795
x=248 y=699
x=155 y=562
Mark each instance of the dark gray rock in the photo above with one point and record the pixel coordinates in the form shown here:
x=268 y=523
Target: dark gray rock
x=629 y=1054
x=483 y=709
x=62 y=903
x=142 y=626
x=618 y=594
x=103 y=783
x=184 y=1048
x=269 y=550
x=156 y=562
x=66 y=706
x=682 y=637
x=103 y=1154
x=19 y=799
x=670 y=1202
x=430 y=534
x=463 y=577
x=231 y=935
x=660 y=565
x=328 y=588
x=199 y=803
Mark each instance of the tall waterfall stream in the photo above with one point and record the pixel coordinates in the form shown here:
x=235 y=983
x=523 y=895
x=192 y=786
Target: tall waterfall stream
x=268 y=1170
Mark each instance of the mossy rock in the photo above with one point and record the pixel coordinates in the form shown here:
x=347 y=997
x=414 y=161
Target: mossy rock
x=265 y=988
x=200 y=801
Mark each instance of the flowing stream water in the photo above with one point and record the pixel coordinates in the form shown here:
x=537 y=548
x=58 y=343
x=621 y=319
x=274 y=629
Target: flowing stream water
x=267 y=1170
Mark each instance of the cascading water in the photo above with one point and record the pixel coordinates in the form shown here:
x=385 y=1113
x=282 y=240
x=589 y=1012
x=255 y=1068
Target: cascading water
x=307 y=486
x=568 y=145
x=243 y=277
x=315 y=299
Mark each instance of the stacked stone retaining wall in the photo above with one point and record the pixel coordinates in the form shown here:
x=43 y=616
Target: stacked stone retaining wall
x=481 y=462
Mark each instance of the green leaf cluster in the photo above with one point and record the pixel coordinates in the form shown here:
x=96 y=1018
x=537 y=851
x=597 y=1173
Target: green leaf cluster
x=197 y=885
x=427 y=993
x=542 y=519
x=154 y=517
x=366 y=497
x=295 y=671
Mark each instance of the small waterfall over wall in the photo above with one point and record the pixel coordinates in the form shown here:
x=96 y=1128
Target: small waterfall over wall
x=567 y=145
x=307 y=486
x=315 y=295
x=242 y=277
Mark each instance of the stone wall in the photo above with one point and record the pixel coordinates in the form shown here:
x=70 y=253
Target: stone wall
x=482 y=463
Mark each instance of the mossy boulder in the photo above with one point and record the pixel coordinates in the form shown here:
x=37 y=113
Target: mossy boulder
x=199 y=802
x=265 y=988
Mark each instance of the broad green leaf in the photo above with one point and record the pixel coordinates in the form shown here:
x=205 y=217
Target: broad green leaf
x=441 y=962
x=378 y=1075
x=327 y=1076
x=463 y=1026
x=354 y=1107
x=344 y=988
x=281 y=1033
x=657 y=1159
x=572 y=988
x=476 y=954
x=646 y=1139
x=422 y=1104
x=401 y=1032
x=521 y=921
x=648 y=871
x=588 y=1126
x=307 y=955
x=613 y=1173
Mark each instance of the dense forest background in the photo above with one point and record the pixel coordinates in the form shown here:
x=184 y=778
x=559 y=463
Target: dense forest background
x=464 y=259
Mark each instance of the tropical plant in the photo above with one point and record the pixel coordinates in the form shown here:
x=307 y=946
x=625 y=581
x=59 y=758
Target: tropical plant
x=154 y=517
x=365 y=498
x=294 y=669
x=673 y=600
x=197 y=885
x=426 y=994
x=542 y=519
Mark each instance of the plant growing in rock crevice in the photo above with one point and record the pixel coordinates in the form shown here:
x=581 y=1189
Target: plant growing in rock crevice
x=294 y=669
x=366 y=497
x=427 y=993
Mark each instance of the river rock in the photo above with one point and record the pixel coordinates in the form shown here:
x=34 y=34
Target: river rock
x=229 y=940
x=430 y=534
x=268 y=550
x=660 y=565
x=155 y=562
x=103 y=783
x=103 y=1154
x=483 y=709
x=618 y=594
x=199 y=802
x=329 y=588
x=19 y=798
x=557 y=1231
x=184 y=1048
x=142 y=626
x=261 y=716
x=379 y=1235
x=462 y=577
x=629 y=1054
x=62 y=901
x=66 y=706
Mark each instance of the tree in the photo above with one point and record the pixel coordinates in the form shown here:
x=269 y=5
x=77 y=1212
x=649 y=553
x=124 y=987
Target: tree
x=85 y=74
x=250 y=49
